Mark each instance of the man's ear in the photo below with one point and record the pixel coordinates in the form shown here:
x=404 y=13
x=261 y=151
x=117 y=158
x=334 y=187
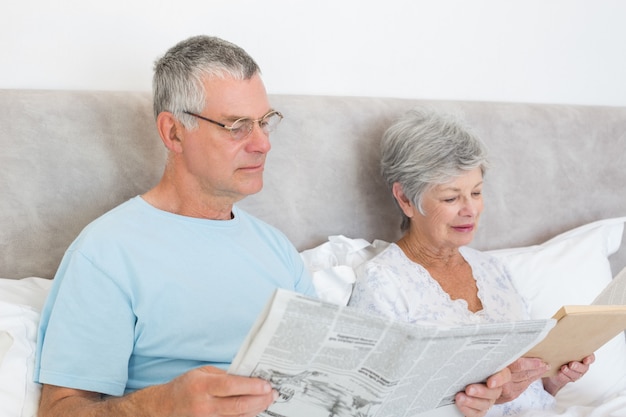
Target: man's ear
x=404 y=202
x=171 y=130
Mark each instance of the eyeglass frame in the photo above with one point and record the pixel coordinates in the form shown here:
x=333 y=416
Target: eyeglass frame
x=231 y=128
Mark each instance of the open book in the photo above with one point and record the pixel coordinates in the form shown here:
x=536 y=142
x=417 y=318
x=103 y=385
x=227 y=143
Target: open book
x=583 y=329
x=330 y=360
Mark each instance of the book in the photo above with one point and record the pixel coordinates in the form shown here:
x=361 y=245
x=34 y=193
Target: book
x=580 y=331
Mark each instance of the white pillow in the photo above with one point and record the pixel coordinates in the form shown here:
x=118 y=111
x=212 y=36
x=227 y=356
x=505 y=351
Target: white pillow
x=20 y=306
x=30 y=291
x=19 y=395
x=573 y=268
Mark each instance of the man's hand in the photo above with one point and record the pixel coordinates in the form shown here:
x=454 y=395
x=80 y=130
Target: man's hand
x=524 y=372
x=570 y=372
x=477 y=399
x=210 y=391
x=206 y=391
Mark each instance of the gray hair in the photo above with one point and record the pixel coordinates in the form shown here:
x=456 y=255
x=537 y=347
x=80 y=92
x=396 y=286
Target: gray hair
x=424 y=148
x=178 y=76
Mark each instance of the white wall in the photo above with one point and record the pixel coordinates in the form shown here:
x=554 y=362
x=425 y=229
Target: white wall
x=561 y=51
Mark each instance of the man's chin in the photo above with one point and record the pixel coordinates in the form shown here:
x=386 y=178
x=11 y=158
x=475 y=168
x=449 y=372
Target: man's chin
x=251 y=188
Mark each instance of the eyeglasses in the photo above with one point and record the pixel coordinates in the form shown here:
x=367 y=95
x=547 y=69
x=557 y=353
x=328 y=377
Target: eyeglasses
x=241 y=128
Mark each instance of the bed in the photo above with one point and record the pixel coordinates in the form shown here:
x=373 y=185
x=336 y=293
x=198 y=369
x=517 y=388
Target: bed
x=555 y=203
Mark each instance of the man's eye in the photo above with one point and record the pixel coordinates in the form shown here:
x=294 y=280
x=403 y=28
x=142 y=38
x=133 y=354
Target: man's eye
x=239 y=125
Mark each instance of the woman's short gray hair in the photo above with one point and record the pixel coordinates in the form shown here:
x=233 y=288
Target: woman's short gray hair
x=425 y=148
x=178 y=76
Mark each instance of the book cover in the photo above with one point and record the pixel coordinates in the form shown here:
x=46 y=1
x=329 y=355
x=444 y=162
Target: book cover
x=579 y=332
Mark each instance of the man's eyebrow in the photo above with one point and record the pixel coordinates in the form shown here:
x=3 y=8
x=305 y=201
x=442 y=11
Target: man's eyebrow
x=235 y=118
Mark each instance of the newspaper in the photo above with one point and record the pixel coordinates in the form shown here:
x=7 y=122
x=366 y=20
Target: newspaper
x=329 y=360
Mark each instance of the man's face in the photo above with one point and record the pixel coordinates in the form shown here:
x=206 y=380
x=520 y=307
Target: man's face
x=223 y=167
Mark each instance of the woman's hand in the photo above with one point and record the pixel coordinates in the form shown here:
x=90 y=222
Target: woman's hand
x=477 y=399
x=524 y=372
x=570 y=372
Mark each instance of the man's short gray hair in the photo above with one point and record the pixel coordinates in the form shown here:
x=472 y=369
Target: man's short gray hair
x=178 y=76
x=425 y=148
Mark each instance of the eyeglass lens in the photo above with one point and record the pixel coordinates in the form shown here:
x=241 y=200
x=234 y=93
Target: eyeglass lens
x=242 y=127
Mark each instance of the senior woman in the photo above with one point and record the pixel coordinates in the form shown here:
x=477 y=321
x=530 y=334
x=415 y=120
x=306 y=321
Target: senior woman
x=434 y=166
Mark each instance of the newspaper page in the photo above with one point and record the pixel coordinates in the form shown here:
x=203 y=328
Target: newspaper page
x=615 y=292
x=329 y=360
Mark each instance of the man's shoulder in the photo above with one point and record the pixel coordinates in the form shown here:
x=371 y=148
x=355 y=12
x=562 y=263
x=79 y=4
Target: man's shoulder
x=265 y=232
x=113 y=220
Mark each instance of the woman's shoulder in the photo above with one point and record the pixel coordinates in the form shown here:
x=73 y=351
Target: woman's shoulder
x=391 y=254
x=389 y=267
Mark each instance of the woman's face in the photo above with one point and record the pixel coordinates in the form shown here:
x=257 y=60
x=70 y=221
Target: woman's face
x=452 y=211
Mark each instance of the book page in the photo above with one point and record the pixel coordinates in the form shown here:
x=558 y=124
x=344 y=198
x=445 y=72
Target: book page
x=615 y=292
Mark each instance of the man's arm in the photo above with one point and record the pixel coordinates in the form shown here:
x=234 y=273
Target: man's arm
x=206 y=391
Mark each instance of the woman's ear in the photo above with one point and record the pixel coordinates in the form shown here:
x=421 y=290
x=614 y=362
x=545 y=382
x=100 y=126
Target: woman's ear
x=170 y=129
x=404 y=202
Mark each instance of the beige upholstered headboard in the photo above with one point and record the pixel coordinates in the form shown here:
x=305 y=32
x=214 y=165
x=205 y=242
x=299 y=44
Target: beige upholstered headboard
x=68 y=156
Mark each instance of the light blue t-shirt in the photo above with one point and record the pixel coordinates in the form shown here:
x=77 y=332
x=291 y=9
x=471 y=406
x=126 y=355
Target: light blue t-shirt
x=143 y=295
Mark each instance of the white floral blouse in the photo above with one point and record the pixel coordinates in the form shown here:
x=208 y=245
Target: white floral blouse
x=392 y=285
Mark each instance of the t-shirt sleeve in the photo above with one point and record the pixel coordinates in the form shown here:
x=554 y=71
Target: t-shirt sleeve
x=85 y=341
x=304 y=280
